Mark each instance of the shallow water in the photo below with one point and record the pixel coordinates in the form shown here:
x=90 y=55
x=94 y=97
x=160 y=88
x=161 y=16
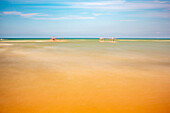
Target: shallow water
x=85 y=76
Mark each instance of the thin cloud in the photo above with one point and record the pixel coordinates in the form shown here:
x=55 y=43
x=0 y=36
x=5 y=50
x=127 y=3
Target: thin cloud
x=97 y=14
x=114 y=5
x=127 y=20
x=104 y=2
x=31 y=15
x=26 y=15
x=100 y=14
x=32 y=1
x=151 y=14
x=67 y=18
x=157 y=14
x=101 y=3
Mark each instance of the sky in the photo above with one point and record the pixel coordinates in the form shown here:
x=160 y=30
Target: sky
x=85 y=18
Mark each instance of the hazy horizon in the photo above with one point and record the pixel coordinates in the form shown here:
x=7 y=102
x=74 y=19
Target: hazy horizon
x=87 y=37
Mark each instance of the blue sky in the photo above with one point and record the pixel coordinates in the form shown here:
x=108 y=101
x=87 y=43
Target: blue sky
x=85 y=18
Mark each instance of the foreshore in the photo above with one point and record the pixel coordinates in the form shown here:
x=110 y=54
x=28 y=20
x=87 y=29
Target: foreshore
x=83 y=76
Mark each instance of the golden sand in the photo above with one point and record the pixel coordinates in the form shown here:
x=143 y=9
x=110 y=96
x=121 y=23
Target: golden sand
x=76 y=79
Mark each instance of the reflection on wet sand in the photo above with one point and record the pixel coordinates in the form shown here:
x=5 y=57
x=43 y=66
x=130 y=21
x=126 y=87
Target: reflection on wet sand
x=84 y=77
x=34 y=41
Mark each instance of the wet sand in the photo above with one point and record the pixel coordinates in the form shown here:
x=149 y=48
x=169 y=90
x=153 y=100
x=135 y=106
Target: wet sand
x=33 y=41
x=85 y=77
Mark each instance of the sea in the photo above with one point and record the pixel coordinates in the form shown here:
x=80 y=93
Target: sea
x=85 y=75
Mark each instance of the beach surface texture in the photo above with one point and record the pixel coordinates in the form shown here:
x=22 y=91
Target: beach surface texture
x=84 y=76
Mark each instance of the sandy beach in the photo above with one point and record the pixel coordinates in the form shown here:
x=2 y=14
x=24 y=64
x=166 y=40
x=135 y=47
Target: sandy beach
x=85 y=76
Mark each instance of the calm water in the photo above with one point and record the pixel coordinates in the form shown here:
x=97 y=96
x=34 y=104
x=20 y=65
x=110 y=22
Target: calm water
x=85 y=76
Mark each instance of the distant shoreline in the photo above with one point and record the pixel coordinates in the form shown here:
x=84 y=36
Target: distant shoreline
x=87 y=38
